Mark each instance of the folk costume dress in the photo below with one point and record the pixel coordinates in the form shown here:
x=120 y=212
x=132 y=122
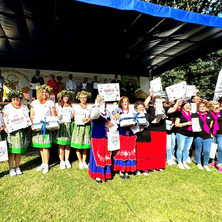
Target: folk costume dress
x=157 y=154
x=18 y=140
x=41 y=111
x=81 y=133
x=125 y=157
x=143 y=146
x=63 y=135
x=100 y=157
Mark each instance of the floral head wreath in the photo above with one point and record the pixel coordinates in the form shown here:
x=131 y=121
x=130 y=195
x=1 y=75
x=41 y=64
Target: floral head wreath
x=13 y=94
x=64 y=93
x=83 y=93
x=48 y=88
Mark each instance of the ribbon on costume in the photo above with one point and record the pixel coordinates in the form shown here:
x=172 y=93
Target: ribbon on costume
x=135 y=119
x=43 y=128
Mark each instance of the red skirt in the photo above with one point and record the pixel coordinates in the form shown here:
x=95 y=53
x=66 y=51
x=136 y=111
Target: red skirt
x=157 y=151
x=142 y=156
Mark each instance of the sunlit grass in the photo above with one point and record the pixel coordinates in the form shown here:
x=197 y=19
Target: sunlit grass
x=70 y=195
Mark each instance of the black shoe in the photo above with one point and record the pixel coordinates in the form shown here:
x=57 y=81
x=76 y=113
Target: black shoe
x=127 y=177
x=122 y=176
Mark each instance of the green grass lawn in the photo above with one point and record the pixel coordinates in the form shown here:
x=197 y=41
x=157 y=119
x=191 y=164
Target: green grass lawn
x=70 y=195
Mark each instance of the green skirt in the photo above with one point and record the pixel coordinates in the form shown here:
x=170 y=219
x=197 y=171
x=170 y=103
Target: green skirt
x=81 y=136
x=62 y=136
x=18 y=141
x=40 y=141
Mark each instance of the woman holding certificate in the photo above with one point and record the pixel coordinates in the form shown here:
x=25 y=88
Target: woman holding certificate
x=143 y=141
x=17 y=141
x=82 y=129
x=125 y=158
x=40 y=110
x=100 y=157
x=62 y=137
x=157 y=154
x=184 y=135
x=202 y=139
x=214 y=108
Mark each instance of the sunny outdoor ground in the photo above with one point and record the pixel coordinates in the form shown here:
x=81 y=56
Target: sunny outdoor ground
x=70 y=195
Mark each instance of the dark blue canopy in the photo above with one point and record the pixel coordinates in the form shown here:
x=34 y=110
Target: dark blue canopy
x=69 y=35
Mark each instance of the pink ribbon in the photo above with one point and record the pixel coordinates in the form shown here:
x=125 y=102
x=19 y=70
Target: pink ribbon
x=204 y=118
x=216 y=125
x=188 y=117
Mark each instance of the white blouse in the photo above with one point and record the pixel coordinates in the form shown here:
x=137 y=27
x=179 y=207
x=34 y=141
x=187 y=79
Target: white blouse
x=42 y=110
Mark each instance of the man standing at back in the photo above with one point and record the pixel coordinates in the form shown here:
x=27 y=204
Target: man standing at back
x=71 y=85
x=35 y=81
x=116 y=80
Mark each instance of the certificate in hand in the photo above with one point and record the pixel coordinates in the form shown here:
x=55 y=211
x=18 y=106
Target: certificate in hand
x=156 y=85
x=176 y=91
x=195 y=125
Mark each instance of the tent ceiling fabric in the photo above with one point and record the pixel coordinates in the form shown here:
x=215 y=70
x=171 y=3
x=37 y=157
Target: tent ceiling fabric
x=139 y=39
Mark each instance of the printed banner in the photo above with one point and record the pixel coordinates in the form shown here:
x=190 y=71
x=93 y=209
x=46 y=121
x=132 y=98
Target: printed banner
x=218 y=89
x=109 y=92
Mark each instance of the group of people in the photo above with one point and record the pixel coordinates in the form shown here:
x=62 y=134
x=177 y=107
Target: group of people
x=143 y=147
x=57 y=85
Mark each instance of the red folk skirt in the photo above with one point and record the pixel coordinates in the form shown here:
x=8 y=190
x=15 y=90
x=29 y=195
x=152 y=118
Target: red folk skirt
x=152 y=155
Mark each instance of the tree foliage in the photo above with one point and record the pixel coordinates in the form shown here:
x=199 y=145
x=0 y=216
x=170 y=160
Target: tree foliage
x=202 y=72
x=213 y=7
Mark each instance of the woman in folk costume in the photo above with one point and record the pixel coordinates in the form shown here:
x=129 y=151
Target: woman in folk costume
x=62 y=136
x=18 y=140
x=100 y=157
x=143 y=141
x=82 y=129
x=40 y=109
x=125 y=158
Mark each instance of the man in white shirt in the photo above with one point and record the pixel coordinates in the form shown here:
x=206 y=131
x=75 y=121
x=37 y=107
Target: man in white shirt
x=71 y=85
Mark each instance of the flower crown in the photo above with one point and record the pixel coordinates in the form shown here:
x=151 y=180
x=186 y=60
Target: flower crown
x=83 y=93
x=41 y=87
x=13 y=94
x=64 y=93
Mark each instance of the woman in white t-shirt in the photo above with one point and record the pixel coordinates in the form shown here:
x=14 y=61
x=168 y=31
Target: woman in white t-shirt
x=18 y=140
x=81 y=134
x=40 y=109
x=62 y=136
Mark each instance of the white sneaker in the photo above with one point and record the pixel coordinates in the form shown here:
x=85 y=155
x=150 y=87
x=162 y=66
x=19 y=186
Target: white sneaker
x=199 y=166
x=18 y=171
x=62 y=165
x=81 y=165
x=12 y=172
x=41 y=167
x=145 y=173
x=174 y=158
x=186 y=166
x=68 y=165
x=207 y=168
x=138 y=173
x=85 y=165
x=46 y=169
x=181 y=166
x=188 y=160
x=169 y=162
x=173 y=162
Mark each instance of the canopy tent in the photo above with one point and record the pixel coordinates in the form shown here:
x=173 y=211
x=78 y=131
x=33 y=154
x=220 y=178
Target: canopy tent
x=126 y=37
